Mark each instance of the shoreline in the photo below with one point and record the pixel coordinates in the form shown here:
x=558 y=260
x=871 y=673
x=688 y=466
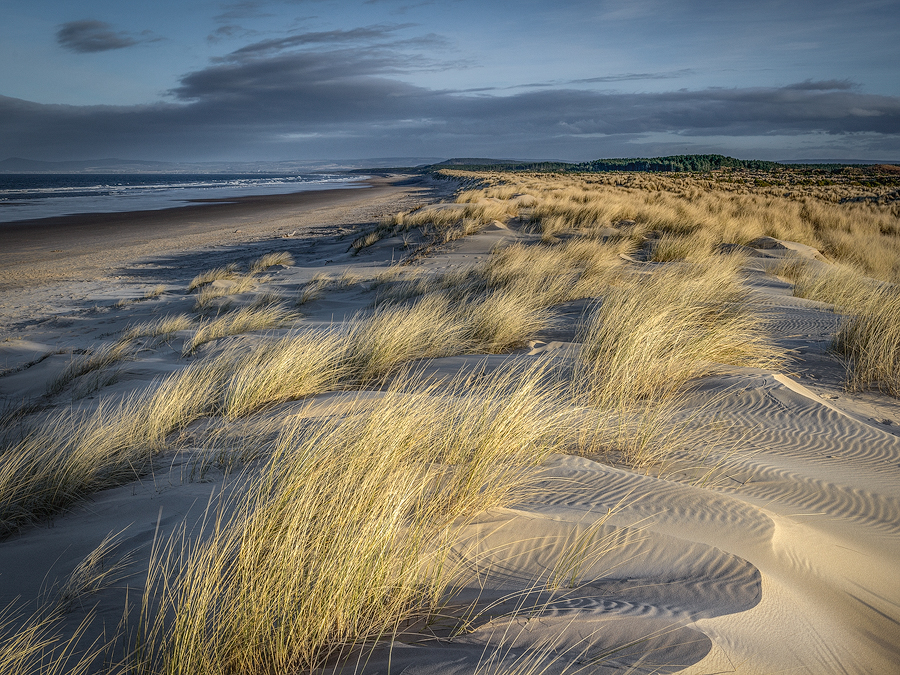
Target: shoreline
x=90 y=245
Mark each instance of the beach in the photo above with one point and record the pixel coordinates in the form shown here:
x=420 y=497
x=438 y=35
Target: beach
x=761 y=537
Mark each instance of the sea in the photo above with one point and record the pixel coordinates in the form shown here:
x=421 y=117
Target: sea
x=29 y=196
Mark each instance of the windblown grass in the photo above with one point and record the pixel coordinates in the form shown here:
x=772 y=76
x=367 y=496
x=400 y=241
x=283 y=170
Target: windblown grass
x=839 y=285
x=542 y=275
x=227 y=272
x=98 y=570
x=36 y=645
x=870 y=339
x=862 y=233
x=155 y=292
x=671 y=247
x=383 y=340
x=282 y=258
x=345 y=536
x=70 y=454
x=870 y=335
x=504 y=320
x=239 y=321
x=234 y=286
x=163 y=328
x=654 y=333
x=298 y=365
x=268 y=298
x=442 y=223
x=95 y=360
x=313 y=289
x=342 y=540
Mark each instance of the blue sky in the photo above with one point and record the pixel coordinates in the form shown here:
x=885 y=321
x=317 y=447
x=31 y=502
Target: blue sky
x=322 y=79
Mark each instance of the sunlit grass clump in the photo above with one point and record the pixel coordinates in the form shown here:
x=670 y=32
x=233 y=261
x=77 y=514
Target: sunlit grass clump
x=163 y=328
x=227 y=272
x=653 y=333
x=59 y=458
x=244 y=320
x=281 y=258
x=343 y=539
x=870 y=339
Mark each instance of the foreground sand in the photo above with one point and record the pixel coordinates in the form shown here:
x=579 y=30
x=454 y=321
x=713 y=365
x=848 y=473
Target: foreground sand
x=786 y=561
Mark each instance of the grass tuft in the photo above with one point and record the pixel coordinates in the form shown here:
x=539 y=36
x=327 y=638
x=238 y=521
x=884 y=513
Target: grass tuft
x=162 y=328
x=870 y=339
x=654 y=333
x=234 y=286
x=243 y=320
x=227 y=272
x=95 y=360
x=282 y=258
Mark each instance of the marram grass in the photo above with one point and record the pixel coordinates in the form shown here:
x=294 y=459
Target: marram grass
x=345 y=535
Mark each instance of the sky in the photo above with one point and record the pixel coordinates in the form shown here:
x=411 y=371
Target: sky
x=265 y=80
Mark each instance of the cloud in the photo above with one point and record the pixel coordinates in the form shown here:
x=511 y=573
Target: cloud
x=88 y=36
x=600 y=79
x=631 y=77
x=345 y=96
x=822 y=85
x=229 y=31
x=364 y=34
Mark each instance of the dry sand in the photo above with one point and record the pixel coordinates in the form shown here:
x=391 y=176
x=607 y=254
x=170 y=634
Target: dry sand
x=789 y=561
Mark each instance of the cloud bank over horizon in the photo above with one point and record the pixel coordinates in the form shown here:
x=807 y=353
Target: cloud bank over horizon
x=390 y=88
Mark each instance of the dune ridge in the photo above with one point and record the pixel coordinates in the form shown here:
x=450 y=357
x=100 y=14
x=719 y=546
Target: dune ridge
x=736 y=510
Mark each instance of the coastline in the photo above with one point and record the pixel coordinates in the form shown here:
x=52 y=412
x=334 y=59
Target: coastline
x=91 y=245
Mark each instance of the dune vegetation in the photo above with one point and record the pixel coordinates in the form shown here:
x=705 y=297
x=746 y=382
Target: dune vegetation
x=869 y=338
x=339 y=534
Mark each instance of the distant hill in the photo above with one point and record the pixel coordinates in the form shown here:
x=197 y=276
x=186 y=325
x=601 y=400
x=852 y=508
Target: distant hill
x=675 y=163
x=647 y=164
x=671 y=163
x=484 y=164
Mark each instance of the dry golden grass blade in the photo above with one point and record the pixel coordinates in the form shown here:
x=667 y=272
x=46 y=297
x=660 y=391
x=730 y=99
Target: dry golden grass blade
x=243 y=320
x=35 y=646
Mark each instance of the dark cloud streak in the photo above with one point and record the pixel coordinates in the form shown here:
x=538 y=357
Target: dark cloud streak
x=364 y=34
x=89 y=36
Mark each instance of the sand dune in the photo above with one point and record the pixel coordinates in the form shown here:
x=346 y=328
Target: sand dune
x=784 y=560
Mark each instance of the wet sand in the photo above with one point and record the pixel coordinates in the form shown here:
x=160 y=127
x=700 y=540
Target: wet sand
x=91 y=245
